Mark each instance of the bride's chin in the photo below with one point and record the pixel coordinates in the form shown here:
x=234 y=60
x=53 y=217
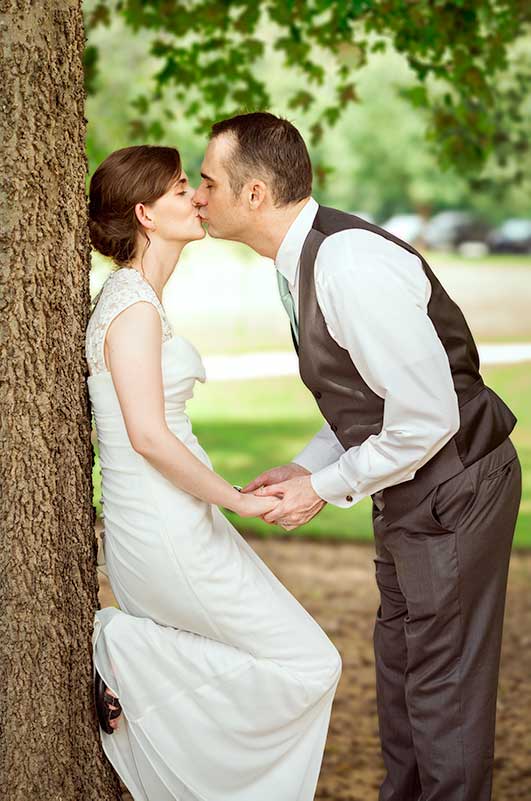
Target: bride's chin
x=200 y=235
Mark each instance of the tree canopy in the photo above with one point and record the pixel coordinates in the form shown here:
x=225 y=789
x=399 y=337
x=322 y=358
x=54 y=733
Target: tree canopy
x=211 y=51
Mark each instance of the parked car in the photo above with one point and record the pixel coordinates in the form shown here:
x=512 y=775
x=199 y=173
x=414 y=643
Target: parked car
x=408 y=227
x=450 y=229
x=512 y=236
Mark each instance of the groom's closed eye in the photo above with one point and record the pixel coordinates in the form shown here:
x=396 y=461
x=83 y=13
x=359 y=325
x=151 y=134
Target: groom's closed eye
x=209 y=182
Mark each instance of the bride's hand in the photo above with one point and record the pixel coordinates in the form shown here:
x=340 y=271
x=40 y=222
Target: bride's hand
x=253 y=506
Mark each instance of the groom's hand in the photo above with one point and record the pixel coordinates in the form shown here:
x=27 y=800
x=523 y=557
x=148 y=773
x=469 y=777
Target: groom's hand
x=276 y=475
x=299 y=502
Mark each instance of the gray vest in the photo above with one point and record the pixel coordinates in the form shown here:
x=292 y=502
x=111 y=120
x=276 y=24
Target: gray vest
x=354 y=411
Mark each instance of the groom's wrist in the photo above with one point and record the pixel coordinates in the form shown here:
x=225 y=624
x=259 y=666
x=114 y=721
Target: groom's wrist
x=302 y=469
x=331 y=487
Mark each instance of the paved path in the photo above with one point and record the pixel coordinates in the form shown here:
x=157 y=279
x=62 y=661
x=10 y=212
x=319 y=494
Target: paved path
x=281 y=363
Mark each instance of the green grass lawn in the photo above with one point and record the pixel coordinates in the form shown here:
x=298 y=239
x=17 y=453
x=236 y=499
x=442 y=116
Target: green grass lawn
x=248 y=426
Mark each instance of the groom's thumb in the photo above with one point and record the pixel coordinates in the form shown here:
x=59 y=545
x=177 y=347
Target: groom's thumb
x=252 y=485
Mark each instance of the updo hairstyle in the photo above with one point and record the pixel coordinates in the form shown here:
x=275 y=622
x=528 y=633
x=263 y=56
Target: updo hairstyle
x=137 y=174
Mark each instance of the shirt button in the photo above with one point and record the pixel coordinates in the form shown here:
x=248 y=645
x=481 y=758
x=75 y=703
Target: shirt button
x=349 y=498
x=318 y=395
x=333 y=427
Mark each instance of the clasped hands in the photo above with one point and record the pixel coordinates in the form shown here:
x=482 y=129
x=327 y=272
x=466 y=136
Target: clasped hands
x=297 y=500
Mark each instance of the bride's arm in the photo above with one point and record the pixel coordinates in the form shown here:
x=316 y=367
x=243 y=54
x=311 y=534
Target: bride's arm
x=167 y=454
x=134 y=341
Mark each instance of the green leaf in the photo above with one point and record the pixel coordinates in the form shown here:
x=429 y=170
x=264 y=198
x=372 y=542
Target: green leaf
x=141 y=104
x=416 y=95
x=301 y=99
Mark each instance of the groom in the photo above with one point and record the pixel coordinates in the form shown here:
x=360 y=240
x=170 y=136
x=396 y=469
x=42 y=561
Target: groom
x=394 y=369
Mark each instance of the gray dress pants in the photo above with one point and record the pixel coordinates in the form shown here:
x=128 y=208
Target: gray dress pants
x=442 y=574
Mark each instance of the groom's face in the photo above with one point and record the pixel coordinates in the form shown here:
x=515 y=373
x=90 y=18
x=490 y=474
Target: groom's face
x=226 y=215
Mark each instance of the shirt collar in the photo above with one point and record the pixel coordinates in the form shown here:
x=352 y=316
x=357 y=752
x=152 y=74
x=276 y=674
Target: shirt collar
x=287 y=258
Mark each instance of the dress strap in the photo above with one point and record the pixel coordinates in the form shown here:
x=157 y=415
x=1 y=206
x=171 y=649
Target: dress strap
x=121 y=289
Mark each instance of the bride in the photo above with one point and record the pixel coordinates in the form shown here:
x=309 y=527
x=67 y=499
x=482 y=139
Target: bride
x=211 y=681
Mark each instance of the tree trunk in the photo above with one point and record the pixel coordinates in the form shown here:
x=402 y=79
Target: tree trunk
x=49 y=738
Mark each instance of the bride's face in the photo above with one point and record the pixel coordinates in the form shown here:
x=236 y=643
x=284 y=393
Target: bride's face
x=173 y=217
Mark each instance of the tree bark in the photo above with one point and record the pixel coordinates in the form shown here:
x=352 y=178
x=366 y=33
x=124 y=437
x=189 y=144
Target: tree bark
x=49 y=738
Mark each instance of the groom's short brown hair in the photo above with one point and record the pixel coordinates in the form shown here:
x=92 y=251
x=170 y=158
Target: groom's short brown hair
x=269 y=146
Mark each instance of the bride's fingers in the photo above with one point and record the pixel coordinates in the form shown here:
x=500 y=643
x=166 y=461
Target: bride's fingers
x=263 y=506
x=272 y=489
x=273 y=498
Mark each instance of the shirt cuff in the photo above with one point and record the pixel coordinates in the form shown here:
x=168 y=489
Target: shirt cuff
x=330 y=485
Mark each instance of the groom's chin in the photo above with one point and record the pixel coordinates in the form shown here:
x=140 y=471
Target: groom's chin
x=215 y=233
x=212 y=231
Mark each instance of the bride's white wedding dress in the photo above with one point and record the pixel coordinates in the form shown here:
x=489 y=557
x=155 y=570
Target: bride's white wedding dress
x=225 y=681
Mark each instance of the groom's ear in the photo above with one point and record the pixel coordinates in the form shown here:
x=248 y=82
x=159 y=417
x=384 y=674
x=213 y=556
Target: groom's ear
x=256 y=194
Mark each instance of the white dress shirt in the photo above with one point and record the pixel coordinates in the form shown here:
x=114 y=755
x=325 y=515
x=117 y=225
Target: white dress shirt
x=374 y=295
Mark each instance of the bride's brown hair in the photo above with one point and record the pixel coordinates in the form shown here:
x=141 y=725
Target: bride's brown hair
x=137 y=174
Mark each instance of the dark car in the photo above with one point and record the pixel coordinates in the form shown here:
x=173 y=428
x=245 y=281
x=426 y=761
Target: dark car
x=512 y=236
x=450 y=229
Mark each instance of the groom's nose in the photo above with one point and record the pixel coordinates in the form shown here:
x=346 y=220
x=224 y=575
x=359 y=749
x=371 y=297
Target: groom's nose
x=199 y=198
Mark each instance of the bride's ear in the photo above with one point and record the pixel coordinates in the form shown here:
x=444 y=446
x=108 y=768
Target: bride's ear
x=143 y=217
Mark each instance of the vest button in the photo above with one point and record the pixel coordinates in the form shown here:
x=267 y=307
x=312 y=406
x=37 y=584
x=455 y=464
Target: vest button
x=318 y=395
x=348 y=498
x=333 y=427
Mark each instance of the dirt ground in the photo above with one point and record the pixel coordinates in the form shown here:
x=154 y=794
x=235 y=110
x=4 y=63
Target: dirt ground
x=334 y=581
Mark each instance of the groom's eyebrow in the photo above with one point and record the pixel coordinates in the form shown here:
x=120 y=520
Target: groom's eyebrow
x=206 y=177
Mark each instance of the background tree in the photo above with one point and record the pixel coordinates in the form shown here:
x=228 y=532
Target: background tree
x=49 y=742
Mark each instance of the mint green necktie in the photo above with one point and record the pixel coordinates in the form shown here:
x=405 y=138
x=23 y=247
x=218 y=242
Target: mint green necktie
x=287 y=302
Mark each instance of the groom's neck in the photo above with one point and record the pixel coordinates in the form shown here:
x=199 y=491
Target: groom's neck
x=272 y=228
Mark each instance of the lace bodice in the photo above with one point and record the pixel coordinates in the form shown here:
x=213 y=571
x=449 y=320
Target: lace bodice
x=122 y=288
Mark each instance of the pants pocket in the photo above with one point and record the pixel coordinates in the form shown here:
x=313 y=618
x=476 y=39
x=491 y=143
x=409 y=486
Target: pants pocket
x=501 y=469
x=449 y=502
